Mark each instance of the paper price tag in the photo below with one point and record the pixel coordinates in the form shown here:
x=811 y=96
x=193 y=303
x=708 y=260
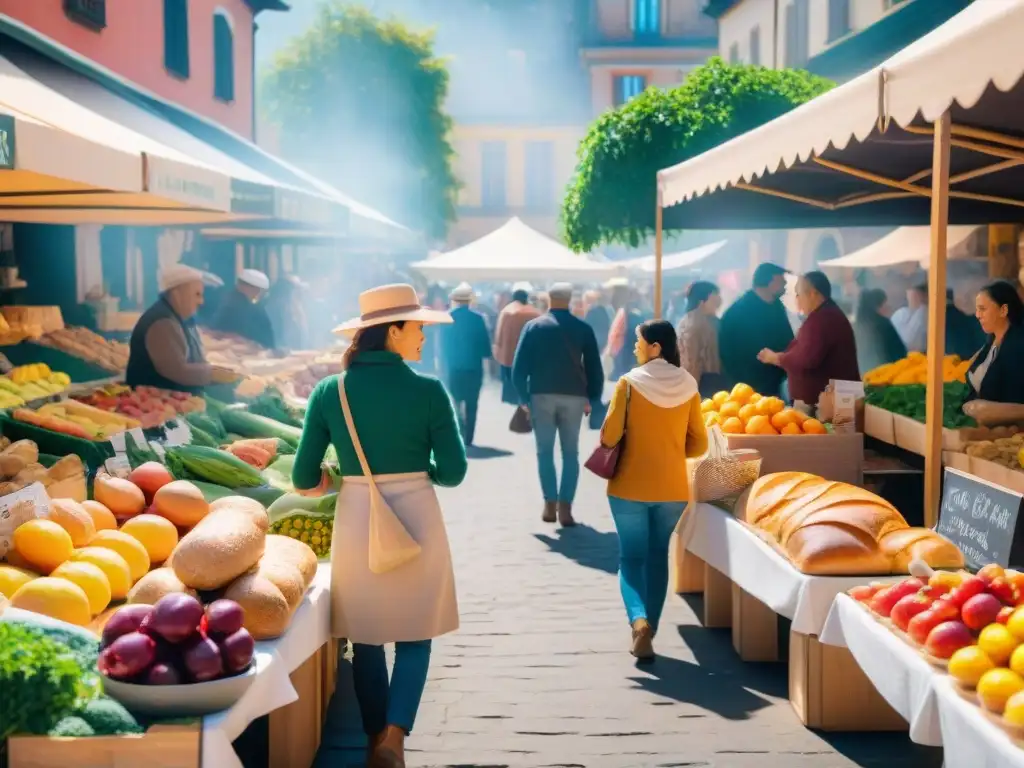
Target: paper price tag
x=157 y=449
x=177 y=432
x=118 y=466
x=138 y=436
x=35 y=493
x=117 y=441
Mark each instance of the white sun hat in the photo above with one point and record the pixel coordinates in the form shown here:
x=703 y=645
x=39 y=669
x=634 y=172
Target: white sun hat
x=390 y=304
x=463 y=292
x=255 y=278
x=180 y=274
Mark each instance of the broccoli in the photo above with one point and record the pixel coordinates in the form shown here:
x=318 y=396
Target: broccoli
x=72 y=726
x=108 y=718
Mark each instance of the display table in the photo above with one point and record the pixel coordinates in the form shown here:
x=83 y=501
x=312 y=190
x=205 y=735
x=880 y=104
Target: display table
x=896 y=669
x=289 y=687
x=969 y=738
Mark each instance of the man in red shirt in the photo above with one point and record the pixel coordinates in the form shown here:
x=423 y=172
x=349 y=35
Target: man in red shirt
x=824 y=347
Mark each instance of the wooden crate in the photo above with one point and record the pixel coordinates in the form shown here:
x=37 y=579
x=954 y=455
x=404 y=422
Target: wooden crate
x=162 y=746
x=687 y=570
x=717 y=599
x=48 y=318
x=755 y=628
x=830 y=692
x=296 y=730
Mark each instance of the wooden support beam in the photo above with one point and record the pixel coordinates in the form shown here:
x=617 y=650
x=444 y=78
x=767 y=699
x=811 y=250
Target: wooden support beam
x=936 y=320
x=658 y=247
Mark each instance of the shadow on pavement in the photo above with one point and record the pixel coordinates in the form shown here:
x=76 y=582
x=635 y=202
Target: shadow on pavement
x=724 y=694
x=713 y=651
x=883 y=750
x=585 y=546
x=485 y=452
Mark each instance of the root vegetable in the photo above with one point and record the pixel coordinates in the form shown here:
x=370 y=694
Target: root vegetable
x=225 y=544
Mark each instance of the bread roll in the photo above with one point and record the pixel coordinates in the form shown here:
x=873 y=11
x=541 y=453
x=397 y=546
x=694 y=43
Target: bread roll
x=769 y=491
x=903 y=548
x=266 y=611
x=835 y=550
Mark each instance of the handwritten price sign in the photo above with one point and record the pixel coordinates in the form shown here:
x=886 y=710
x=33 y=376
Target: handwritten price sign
x=981 y=519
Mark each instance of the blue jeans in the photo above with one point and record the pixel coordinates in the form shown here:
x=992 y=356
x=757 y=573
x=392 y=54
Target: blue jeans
x=558 y=416
x=383 y=703
x=644 y=532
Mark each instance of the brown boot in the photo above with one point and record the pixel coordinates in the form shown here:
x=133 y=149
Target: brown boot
x=371 y=745
x=565 y=514
x=643 y=641
x=390 y=750
x=549 y=512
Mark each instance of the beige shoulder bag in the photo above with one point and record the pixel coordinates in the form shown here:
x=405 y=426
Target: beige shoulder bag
x=391 y=546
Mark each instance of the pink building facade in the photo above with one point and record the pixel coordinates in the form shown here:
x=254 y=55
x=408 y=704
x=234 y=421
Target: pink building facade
x=195 y=53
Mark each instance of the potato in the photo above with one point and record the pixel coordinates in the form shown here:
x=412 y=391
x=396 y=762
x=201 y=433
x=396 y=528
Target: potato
x=267 y=613
x=225 y=544
x=243 y=504
x=288 y=550
x=156 y=584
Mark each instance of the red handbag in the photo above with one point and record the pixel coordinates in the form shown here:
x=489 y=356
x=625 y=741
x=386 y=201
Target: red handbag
x=604 y=461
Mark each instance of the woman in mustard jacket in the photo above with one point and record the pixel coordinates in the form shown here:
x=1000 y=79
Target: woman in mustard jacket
x=656 y=410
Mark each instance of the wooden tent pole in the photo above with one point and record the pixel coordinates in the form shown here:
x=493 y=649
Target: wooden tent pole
x=936 y=321
x=658 y=232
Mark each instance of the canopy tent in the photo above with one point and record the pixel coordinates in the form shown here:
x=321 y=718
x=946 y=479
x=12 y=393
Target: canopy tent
x=947 y=110
x=356 y=220
x=674 y=261
x=514 y=251
x=906 y=245
x=63 y=157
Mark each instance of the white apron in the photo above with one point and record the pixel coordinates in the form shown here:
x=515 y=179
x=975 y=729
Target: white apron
x=413 y=602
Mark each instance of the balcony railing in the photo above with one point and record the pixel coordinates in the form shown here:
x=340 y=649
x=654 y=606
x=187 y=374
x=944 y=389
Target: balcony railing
x=599 y=39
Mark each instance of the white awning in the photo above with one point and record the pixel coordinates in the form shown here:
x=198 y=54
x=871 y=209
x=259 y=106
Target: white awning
x=675 y=261
x=906 y=245
x=955 y=63
x=514 y=251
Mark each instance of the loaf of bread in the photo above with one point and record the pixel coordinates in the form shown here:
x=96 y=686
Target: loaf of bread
x=828 y=528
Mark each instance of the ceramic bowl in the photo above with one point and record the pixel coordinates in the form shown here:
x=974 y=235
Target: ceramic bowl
x=191 y=700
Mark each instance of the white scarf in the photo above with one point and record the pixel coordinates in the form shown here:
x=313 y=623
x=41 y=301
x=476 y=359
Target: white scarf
x=662 y=384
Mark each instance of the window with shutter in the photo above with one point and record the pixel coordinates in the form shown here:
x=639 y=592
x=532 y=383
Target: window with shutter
x=797 y=30
x=176 y=58
x=540 y=175
x=734 y=53
x=223 y=58
x=494 y=172
x=838 y=19
x=627 y=87
x=755 y=46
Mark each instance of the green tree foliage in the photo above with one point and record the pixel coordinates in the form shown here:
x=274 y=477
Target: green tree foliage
x=611 y=198
x=359 y=101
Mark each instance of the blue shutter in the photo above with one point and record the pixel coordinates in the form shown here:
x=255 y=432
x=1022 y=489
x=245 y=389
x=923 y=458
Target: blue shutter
x=223 y=59
x=176 y=58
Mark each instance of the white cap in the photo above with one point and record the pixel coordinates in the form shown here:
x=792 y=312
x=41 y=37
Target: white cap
x=255 y=278
x=617 y=282
x=463 y=292
x=560 y=291
x=522 y=286
x=179 y=274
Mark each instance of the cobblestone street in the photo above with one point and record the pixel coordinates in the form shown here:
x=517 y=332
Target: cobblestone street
x=540 y=674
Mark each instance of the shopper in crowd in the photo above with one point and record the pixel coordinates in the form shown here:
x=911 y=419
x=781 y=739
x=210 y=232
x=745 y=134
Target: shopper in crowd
x=698 y=337
x=755 y=321
x=407 y=431
x=165 y=350
x=465 y=346
x=511 y=321
x=429 y=362
x=628 y=317
x=964 y=336
x=557 y=373
x=824 y=347
x=657 y=404
x=911 y=321
x=241 y=313
x=877 y=341
x=286 y=307
x=997 y=373
x=597 y=316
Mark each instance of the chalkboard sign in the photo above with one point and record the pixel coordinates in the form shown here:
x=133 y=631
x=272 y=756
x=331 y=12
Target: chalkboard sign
x=980 y=518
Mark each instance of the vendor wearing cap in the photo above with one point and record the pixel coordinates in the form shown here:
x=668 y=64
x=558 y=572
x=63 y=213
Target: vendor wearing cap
x=165 y=350
x=511 y=321
x=465 y=344
x=241 y=313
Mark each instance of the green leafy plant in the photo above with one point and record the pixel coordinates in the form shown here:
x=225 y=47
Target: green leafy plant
x=360 y=100
x=612 y=196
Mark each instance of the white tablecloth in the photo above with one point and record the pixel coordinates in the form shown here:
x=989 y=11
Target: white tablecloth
x=969 y=739
x=729 y=546
x=272 y=688
x=898 y=671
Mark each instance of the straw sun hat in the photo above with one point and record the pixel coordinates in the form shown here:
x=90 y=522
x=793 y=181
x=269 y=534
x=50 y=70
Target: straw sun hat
x=390 y=304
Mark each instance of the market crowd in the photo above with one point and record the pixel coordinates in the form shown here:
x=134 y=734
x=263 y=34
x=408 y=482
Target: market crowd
x=398 y=433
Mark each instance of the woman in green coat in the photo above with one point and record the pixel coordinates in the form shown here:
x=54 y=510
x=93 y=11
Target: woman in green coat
x=406 y=427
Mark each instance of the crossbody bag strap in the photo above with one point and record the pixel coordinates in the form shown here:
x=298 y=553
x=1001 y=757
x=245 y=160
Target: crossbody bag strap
x=347 y=411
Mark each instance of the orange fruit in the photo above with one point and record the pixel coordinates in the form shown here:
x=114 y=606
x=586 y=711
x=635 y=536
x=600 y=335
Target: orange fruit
x=707 y=405
x=781 y=419
x=754 y=399
x=814 y=427
x=741 y=392
x=732 y=426
x=720 y=397
x=711 y=419
x=157 y=534
x=747 y=411
x=769 y=430
x=728 y=409
x=757 y=424
x=791 y=429
x=769 y=406
x=102 y=517
x=798 y=416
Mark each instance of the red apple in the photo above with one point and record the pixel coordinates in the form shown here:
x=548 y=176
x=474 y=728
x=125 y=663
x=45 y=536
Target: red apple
x=1004 y=614
x=1004 y=590
x=887 y=597
x=941 y=610
x=907 y=608
x=863 y=593
x=980 y=611
x=991 y=572
x=969 y=587
x=948 y=638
